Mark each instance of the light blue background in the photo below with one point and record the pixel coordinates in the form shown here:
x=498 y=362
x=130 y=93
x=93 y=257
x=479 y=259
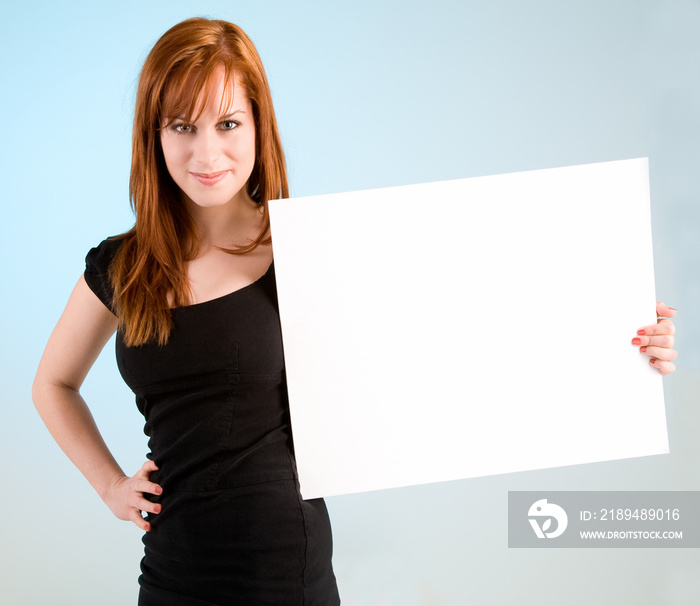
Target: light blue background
x=368 y=94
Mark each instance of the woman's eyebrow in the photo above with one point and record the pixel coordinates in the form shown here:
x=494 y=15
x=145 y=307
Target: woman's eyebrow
x=233 y=113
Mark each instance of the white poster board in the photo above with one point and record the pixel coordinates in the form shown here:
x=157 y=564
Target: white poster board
x=466 y=328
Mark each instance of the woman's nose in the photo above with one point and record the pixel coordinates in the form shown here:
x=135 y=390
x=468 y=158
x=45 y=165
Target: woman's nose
x=206 y=147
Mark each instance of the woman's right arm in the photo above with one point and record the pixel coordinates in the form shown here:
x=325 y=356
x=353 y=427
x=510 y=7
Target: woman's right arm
x=80 y=334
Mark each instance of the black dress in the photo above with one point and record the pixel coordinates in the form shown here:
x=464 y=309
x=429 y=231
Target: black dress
x=233 y=529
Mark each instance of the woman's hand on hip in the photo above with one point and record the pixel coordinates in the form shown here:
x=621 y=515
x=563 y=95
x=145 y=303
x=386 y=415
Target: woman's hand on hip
x=125 y=496
x=657 y=340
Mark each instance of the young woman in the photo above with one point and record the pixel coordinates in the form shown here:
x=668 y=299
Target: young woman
x=190 y=291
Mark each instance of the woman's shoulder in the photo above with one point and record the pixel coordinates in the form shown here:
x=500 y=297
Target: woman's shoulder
x=97 y=264
x=100 y=257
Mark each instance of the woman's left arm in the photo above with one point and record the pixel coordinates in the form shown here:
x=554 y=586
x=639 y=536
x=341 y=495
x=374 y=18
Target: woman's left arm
x=656 y=341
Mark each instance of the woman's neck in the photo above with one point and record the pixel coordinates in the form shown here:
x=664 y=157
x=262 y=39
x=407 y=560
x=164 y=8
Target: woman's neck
x=232 y=224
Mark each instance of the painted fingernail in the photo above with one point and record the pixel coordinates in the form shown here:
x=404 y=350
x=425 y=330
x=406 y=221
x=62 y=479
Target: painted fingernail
x=158 y=490
x=652 y=360
x=157 y=508
x=636 y=341
x=673 y=308
x=643 y=349
x=641 y=331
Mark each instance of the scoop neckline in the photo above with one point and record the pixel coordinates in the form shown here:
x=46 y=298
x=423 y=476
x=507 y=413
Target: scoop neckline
x=229 y=294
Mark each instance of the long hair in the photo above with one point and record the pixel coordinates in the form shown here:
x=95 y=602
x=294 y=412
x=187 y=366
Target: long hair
x=149 y=266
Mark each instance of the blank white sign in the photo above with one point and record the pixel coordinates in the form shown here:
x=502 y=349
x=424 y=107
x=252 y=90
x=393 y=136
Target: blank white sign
x=471 y=327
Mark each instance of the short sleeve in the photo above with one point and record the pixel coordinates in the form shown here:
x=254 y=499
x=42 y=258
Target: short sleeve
x=97 y=264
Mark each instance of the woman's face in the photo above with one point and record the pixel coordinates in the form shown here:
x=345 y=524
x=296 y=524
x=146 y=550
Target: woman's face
x=212 y=158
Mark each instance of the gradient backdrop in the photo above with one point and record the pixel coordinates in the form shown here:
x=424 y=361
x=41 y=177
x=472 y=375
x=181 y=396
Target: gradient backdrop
x=368 y=94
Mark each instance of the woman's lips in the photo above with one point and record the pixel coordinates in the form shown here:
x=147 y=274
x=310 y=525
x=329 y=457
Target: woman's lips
x=209 y=178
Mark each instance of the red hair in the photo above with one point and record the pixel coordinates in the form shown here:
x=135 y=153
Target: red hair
x=176 y=79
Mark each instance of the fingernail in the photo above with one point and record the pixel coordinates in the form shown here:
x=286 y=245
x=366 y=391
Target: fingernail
x=157 y=508
x=636 y=341
x=652 y=360
x=159 y=490
x=673 y=308
x=641 y=331
x=643 y=349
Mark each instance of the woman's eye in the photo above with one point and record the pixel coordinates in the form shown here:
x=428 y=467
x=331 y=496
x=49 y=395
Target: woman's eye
x=183 y=128
x=229 y=124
